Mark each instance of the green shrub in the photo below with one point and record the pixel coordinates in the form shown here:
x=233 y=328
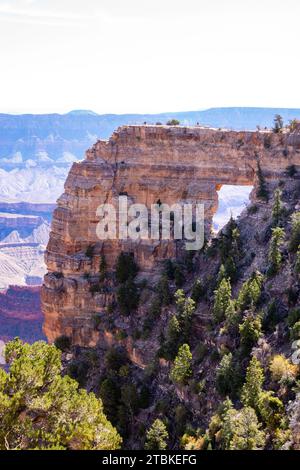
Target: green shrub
x=39 y=406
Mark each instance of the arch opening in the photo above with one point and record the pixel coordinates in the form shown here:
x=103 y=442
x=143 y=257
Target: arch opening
x=232 y=200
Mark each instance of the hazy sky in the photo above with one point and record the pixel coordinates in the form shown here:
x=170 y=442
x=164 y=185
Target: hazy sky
x=119 y=56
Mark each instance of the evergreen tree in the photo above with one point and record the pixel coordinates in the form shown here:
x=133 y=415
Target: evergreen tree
x=250 y=332
x=271 y=410
x=277 y=209
x=262 y=192
x=110 y=396
x=221 y=274
x=275 y=256
x=40 y=409
x=224 y=377
x=230 y=269
x=179 y=300
x=250 y=292
x=252 y=387
x=182 y=368
x=295 y=235
x=232 y=317
x=241 y=430
x=127 y=297
x=157 y=436
x=172 y=338
x=185 y=318
x=197 y=291
x=221 y=300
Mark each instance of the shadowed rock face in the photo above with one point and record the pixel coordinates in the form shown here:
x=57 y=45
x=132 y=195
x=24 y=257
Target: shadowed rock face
x=148 y=163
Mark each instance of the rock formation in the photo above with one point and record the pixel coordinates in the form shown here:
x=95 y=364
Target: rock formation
x=147 y=163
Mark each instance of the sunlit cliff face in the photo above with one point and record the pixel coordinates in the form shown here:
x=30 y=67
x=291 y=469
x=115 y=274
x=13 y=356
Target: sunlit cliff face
x=148 y=164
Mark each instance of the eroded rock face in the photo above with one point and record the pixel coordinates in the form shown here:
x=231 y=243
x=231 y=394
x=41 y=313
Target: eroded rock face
x=147 y=163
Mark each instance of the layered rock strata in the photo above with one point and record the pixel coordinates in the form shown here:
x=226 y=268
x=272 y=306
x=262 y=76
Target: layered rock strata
x=148 y=164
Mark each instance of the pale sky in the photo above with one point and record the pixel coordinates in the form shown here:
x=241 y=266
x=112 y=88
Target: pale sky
x=121 y=56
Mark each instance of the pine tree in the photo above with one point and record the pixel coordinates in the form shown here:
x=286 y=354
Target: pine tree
x=224 y=377
x=221 y=274
x=262 y=192
x=277 y=209
x=222 y=299
x=241 y=430
x=197 y=291
x=250 y=332
x=182 y=368
x=185 y=318
x=295 y=235
x=275 y=256
x=185 y=308
x=232 y=316
x=179 y=300
x=250 y=292
x=157 y=436
x=252 y=387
